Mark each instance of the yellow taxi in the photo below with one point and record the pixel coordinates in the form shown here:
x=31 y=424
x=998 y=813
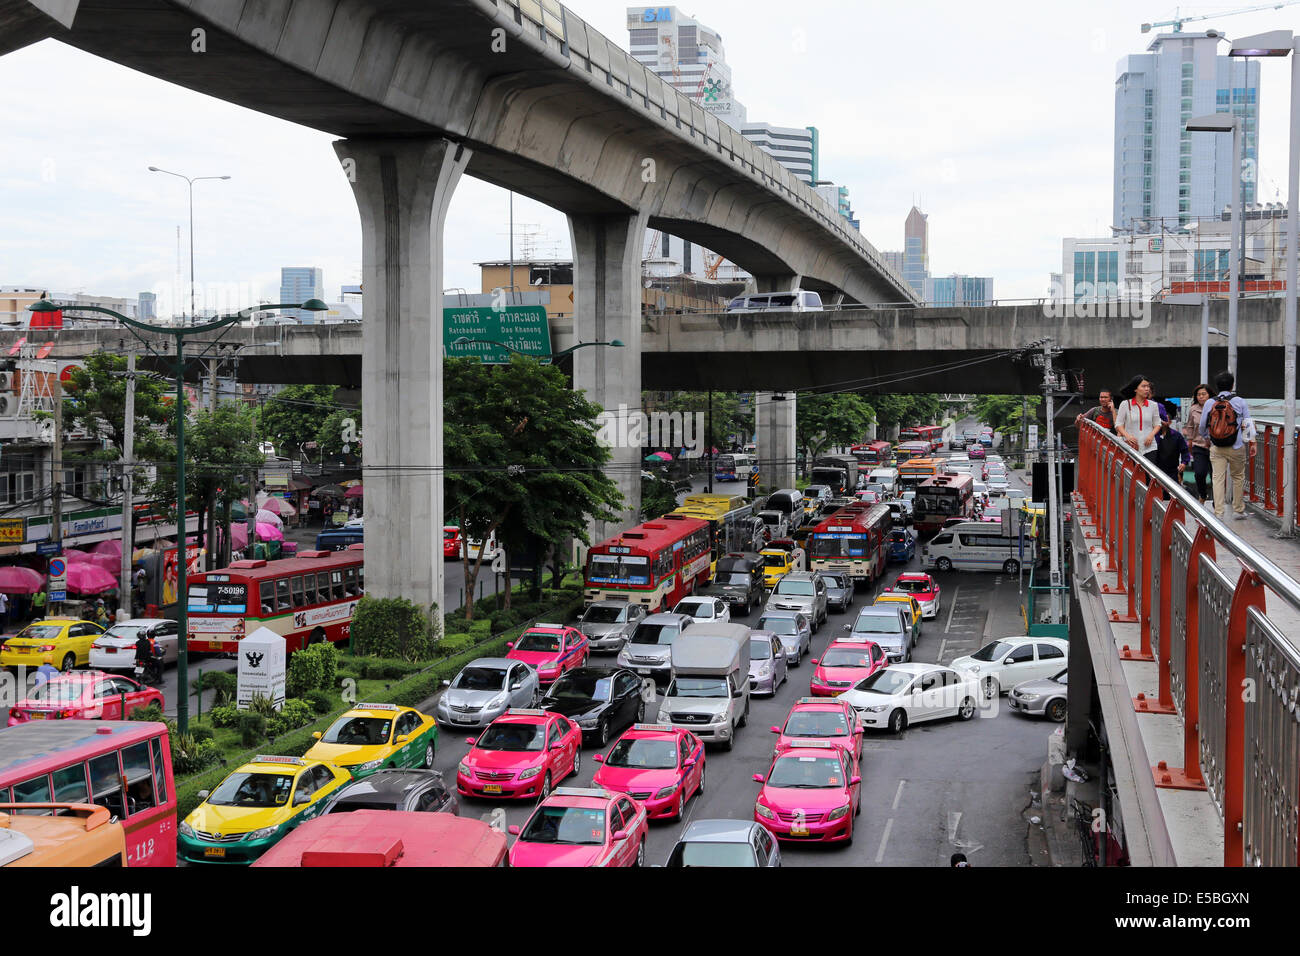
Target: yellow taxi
x=912 y=605
x=63 y=642
x=372 y=737
x=254 y=807
x=777 y=563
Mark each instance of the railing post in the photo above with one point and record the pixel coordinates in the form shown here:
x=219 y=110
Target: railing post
x=1249 y=593
x=1142 y=541
x=1164 y=702
x=1279 y=471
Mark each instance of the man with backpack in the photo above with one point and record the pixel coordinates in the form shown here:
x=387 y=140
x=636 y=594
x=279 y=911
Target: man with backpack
x=1229 y=427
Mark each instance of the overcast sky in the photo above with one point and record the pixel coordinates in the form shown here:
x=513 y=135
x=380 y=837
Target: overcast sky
x=996 y=119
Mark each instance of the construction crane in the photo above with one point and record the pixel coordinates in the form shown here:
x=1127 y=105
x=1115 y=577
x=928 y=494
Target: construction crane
x=711 y=268
x=1177 y=22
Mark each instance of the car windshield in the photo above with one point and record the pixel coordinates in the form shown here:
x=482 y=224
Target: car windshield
x=42 y=632
x=802 y=588
x=242 y=789
x=810 y=773
x=598 y=614
x=834 y=581
x=693 y=608
x=779 y=625
x=735 y=579
x=543 y=641
x=581 y=687
x=877 y=624
x=58 y=691
x=992 y=650
x=775 y=560
x=480 y=678
x=1060 y=678
x=358 y=731
x=644 y=754
x=713 y=854
x=816 y=723
x=698 y=687
x=759 y=649
x=512 y=736
x=127 y=631
x=911 y=587
x=847 y=657
x=579 y=826
x=887 y=681
x=655 y=634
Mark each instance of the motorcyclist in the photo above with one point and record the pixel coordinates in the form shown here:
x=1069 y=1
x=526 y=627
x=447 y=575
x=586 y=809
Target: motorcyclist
x=144 y=650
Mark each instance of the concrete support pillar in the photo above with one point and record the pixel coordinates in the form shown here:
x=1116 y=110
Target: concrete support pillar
x=607 y=306
x=403 y=188
x=777 y=283
x=775 y=419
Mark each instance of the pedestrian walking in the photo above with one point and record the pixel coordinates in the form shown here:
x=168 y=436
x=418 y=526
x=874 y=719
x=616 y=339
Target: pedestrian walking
x=1138 y=420
x=4 y=610
x=1200 y=445
x=1230 y=429
x=38 y=604
x=1103 y=413
x=1172 y=452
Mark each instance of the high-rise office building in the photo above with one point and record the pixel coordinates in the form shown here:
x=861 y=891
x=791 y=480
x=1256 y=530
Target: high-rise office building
x=837 y=197
x=688 y=55
x=916 y=250
x=793 y=147
x=958 y=290
x=146 y=307
x=298 y=284
x=1164 y=176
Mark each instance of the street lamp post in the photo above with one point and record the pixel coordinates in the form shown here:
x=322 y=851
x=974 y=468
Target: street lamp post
x=179 y=332
x=191 y=180
x=1228 y=123
x=1282 y=43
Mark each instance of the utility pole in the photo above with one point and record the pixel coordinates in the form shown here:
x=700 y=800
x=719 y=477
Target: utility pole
x=1053 y=504
x=212 y=385
x=56 y=465
x=708 y=437
x=128 y=460
x=1024 y=432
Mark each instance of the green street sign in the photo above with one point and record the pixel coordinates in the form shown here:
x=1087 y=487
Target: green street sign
x=521 y=327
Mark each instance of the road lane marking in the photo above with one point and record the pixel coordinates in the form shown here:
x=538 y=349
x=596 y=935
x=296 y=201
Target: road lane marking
x=952 y=607
x=898 y=794
x=942 y=644
x=884 y=839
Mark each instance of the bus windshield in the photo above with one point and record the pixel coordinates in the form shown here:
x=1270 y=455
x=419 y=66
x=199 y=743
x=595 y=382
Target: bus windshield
x=225 y=598
x=839 y=545
x=618 y=567
x=941 y=502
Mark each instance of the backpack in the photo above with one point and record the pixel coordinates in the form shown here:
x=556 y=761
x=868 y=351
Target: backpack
x=1223 y=426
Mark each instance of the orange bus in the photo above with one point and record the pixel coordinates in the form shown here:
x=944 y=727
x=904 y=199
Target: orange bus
x=943 y=497
x=123 y=766
x=655 y=564
x=916 y=470
x=853 y=541
x=306 y=599
x=79 y=834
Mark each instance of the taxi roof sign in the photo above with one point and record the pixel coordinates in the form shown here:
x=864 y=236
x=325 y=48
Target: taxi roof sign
x=544 y=624
x=803 y=744
x=580 y=792
x=374 y=707
x=269 y=758
x=526 y=712
x=664 y=727
x=818 y=700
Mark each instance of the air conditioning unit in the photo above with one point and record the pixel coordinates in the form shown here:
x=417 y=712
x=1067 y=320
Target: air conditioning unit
x=8 y=381
x=8 y=404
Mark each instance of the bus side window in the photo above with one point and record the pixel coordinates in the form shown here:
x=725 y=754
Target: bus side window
x=139 y=778
x=336 y=578
x=282 y=602
x=159 y=769
x=309 y=589
x=361 y=578
x=350 y=576
x=106 y=784
x=70 y=785
x=36 y=790
x=295 y=584
x=268 y=597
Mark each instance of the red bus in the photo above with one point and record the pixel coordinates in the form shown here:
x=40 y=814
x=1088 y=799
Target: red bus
x=943 y=497
x=853 y=541
x=380 y=838
x=927 y=433
x=306 y=599
x=124 y=766
x=877 y=454
x=655 y=564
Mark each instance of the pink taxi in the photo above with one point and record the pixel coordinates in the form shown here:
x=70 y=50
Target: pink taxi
x=582 y=826
x=811 y=793
x=551 y=650
x=843 y=664
x=820 y=718
x=658 y=765
x=520 y=756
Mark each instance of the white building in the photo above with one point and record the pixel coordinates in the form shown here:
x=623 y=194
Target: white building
x=688 y=55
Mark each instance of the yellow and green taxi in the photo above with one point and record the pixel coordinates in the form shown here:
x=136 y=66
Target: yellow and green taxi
x=372 y=737
x=910 y=604
x=63 y=642
x=253 y=808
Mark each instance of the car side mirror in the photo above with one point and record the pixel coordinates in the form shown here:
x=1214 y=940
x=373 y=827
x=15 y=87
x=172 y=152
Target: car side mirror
x=620 y=836
x=470 y=740
x=514 y=829
x=1008 y=661
x=758 y=778
x=690 y=764
x=599 y=758
x=203 y=794
x=854 y=781
x=776 y=730
x=846 y=627
x=510 y=645
x=816 y=660
x=446 y=683
x=316 y=734
x=404 y=738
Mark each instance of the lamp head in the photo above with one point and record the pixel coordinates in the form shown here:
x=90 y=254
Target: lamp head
x=617 y=343
x=314 y=305
x=1213 y=123
x=154 y=169
x=1273 y=43
x=43 y=305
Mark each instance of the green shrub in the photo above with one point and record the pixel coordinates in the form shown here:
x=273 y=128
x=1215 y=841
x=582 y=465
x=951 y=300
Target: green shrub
x=294 y=714
x=320 y=701
x=261 y=705
x=480 y=629
x=503 y=621
x=380 y=669
x=201 y=733
x=225 y=716
x=252 y=729
x=393 y=627
x=225 y=683
x=454 y=644
x=192 y=756
x=153 y=712
x=305 y=672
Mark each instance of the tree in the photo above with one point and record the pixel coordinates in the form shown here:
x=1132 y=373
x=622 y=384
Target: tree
x=292 y=417
x=901 y=408
x=521 y=456
x=826 y=420
x=340 y=433
x=728 y=419
x=658 y=497
x=1003 y=413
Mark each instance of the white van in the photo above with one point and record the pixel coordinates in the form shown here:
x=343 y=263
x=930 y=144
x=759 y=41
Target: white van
x=977 y=546
x=885 y=476
x=795 y=301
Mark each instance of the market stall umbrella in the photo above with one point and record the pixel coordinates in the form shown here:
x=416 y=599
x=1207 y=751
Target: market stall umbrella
x=659 y=456
x=277 y=506
x=112 y=546
x=350 y=483
x=20 y=580
x=89 y=579
x=239 y=536
x=267 y=532
x=73 y=556
x=109 y=562
x=329 y=491
x=268 y=517
x=354 y=492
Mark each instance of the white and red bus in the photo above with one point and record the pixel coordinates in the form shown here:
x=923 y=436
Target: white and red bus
x=877 y=454
x=305 y=599
x=124 y=766
x=943 y=497
x=853 y=541
x=655 y=564
x=933 y=434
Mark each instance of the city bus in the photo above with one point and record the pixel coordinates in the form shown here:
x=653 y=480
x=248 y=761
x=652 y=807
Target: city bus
x=877 y=454
x=932 y=434
x=655 y=564
x=912 y=449
x=736 y=467
x=943 y=497
x=78 y=834
x=729 y=526
x=124 y=766
x=853 y=541
x=306 y=599
x=916 y=470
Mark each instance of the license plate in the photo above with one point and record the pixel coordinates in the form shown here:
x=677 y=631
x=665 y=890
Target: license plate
x=491 y=788
x=462 y=719
x=38 y=715
x=643 y=671
x=798 y=831
x=214 y=851
x=110 y=650
x=215 y=646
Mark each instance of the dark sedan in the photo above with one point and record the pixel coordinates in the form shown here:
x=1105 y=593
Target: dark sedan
x=600 y=700
x=419 y=790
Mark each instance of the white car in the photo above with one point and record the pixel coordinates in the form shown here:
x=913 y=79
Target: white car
x=912 y=692
x=998 y=487
x=1003 y=663
x=114 y=650
x=704 y=610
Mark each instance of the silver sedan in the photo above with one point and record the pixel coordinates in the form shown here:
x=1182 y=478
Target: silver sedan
x=793 y=628
x=483 y=690
x=768 y=668
x=1045 y=696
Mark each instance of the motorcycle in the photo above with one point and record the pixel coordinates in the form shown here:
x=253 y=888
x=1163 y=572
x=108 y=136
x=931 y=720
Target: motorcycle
x=150 y=672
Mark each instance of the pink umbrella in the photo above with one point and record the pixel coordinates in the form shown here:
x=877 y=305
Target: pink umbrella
x=112 y=563
x=268 y=532
x=239 y=536
x=73 y=556
x=277 y=506
x=353 y=492
x=269 y=517
x=20 y=580
x=89 y=579
x=111 y=546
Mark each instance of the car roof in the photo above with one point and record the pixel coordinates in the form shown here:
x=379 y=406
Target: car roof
x=718 y=831
x=699 y=598
x=609 y=602
x=391 y=782
x=914 y=576
x=800 y=575
x=499 y=663
x=516 y=717
x=848 y=643
x=585 y=801
x=832 y=702
x=548 y=628
x=597 y=670
x=780 y=612
x=918 y=667
x=665 y=617
x=654 y=731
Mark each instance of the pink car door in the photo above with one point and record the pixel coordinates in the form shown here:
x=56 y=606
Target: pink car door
x=625 y=852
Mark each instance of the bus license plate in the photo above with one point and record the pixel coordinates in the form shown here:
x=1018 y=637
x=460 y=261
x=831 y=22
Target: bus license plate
x=491 y=788
x=215 y=646
x=214 y=851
